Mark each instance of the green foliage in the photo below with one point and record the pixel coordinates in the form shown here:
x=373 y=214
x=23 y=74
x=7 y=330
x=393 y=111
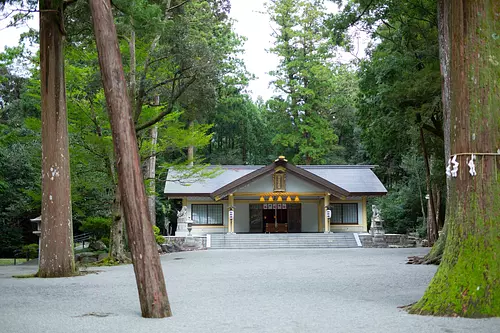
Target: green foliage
x=158 y=237
x=31 y=250
x=98 y=226
x=10 y=236
x=105 y=240
x=302 y=112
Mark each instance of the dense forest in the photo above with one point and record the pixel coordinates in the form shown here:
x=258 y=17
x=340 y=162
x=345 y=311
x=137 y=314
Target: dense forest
x=188 y=88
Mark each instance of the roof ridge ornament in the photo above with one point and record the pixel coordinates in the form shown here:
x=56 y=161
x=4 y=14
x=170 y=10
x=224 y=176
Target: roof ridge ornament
x=281 y=158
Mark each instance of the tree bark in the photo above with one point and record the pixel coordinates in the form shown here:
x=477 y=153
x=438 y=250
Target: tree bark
x=150 y=176
x=149 y=275
x=444 y=10
x=133 y=66
x=117 y=245
x=467 y=283
x=56 y=244
x=190 y=152
x=432 y=231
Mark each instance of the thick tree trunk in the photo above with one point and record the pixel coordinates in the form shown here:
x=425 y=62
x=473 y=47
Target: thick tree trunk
x=444 y=37
x=150 y=176
x=467 y=283
x=56 y=244
x=149 y=275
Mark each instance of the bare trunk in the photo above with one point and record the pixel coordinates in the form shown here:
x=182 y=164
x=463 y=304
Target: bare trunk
x=117 y=246
x=437 y=204
x=132 y=80
x=149 y=275
x=56 y=244
x=431 y=211
x=467 y=281
x=150 y=176
x=444 y=10
x=190 y=152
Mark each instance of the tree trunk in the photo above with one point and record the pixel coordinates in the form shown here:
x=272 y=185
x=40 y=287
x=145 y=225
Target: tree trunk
x=437 y=204
x=467 y=283
x=117 y=244
x=444 y=37
x=56 y=244
x=432 y=231
x=133 y=66
x=150 y=176
x=149 y=275
x=190 y=153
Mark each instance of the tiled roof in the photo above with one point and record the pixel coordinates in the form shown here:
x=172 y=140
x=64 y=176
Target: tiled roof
x=356 y=179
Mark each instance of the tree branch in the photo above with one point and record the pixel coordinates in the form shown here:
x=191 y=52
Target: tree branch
x=169 y=108
x=176 y=6
x=164 y=82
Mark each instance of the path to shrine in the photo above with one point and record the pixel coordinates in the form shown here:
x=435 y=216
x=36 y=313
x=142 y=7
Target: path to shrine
x=320 y=290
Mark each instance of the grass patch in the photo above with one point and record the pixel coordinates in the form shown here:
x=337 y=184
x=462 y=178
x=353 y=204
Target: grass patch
x=10 y=261
x=25 y=276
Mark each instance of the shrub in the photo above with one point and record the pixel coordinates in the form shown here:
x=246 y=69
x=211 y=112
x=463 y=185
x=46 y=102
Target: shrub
x=31 y=250
x=105 y=240
x=159 y=238
x=98 y=226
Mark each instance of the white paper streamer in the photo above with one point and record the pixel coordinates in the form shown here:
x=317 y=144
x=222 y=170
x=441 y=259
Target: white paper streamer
x=454 y=171
x=448 y=169
x=472 y=167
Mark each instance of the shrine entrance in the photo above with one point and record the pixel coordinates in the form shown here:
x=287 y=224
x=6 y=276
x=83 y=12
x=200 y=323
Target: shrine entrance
x=275 y=218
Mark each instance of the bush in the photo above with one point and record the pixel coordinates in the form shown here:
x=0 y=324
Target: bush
x=105 y=240
x=99 y=227
x=31 y=250
x=159 y=238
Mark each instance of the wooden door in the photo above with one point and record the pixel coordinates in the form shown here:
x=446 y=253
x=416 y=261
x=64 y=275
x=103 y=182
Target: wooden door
x=294 y=217
x=256 y=218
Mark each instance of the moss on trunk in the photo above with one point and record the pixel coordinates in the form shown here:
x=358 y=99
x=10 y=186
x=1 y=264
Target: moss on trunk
x=467 y=283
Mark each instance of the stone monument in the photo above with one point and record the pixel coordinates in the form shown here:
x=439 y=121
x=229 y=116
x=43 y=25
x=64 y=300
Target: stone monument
x=182 y=223
x=377 y=228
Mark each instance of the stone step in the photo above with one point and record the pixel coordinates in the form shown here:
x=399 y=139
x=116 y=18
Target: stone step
x=269 y=241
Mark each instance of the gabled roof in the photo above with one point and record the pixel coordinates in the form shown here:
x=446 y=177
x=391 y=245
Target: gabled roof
x=339 y=180
x=301 y=173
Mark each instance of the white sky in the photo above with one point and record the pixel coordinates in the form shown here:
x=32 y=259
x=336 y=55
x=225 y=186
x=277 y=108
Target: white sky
x=251 y=22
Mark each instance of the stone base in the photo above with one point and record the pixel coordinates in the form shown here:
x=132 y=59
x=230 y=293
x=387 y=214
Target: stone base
x=387 y=240
x=379 y=241
x=181 y=243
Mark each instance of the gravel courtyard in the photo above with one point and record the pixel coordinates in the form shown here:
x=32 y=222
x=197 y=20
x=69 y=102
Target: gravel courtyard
x=316 y=290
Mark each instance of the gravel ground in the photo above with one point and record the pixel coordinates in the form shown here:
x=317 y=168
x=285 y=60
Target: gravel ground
x=320 y=290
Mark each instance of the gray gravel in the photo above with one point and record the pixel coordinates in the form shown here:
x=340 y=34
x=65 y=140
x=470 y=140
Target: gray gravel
x=324 y=290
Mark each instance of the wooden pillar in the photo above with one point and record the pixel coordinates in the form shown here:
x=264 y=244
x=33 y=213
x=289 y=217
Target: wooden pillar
x=230 y=223
x=327 y=222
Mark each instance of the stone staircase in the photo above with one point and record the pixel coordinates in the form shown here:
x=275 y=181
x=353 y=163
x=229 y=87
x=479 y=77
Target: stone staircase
x=282 y=241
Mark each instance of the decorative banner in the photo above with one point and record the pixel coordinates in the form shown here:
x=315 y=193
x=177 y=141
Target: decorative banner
x=279 y=206
x=274 y=206
x=283 y=206
x=265 y=206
